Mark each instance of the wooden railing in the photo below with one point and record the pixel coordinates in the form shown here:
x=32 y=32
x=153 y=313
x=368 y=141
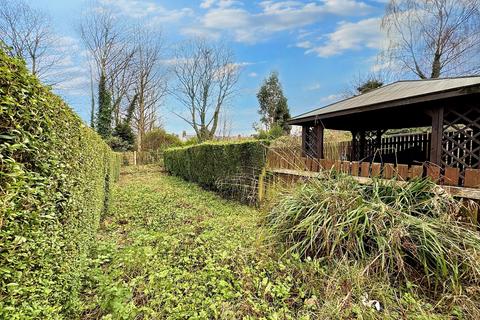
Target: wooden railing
x=448 y=176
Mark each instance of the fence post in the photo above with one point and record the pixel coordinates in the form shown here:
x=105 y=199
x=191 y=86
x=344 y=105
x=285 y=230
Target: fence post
x=261 y=185
x=134 y=158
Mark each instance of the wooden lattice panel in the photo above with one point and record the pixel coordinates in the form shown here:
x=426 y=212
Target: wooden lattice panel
x=365 y=144
x=461 y=138
x=310 y=142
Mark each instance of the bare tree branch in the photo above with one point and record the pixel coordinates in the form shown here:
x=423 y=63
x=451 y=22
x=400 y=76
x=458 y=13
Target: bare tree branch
x=28 y=33
x=149 y=81
x=206 y=76
x=109 y=43
x=433 y=38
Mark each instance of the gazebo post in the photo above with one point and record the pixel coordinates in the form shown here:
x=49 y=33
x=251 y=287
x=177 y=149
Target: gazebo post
x=304 y=140
x=318 y=131
x=436 y=137
x=475 y=146
x=378 y=140
x=354 y=150
x=362 y=146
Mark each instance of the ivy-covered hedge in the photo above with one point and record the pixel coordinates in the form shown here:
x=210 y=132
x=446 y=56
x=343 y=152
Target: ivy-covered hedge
x=55 y=177
x=216 y=164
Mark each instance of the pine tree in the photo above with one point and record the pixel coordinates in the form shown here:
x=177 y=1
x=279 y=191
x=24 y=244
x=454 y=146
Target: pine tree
x=104 y=115
x=282 y=115
x=273 y=104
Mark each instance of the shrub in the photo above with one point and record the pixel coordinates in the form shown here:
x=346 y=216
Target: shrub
x=190 y=142
x=229 y=167
x=273 y=133
x=118 y=144
x=123 y=138
x=159 y=139
x=55 y=175
x=411 y=230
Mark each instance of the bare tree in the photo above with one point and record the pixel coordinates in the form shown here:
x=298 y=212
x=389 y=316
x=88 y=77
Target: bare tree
x=28 y=33
x=109 y=44
x=226 y=124
x=206 y=76
x=432 y=38
x=121 y=79
x=149 y=86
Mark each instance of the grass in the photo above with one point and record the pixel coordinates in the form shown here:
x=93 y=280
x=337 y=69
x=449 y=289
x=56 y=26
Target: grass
x=170 y=250
x=415 y=232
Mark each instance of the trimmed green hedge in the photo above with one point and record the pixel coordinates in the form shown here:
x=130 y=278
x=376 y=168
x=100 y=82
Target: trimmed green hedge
x=213 y=164
x=55 y=177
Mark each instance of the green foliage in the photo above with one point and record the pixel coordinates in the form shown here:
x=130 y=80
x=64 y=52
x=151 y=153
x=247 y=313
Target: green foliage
x=227 y=167
x=273 y=133
x=405 y=231
x=131 y=109
x=92 y=113
x=159 y=139
x=273 y=104
x=170 y=250
x=104 y=115
x=123 y=138
x=190 y=142
x=369 y=85
x=55 y=175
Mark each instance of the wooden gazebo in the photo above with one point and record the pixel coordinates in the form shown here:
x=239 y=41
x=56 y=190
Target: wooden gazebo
x=449 y=108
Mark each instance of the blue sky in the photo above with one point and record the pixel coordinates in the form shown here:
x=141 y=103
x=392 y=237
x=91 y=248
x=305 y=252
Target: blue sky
x=318 y=47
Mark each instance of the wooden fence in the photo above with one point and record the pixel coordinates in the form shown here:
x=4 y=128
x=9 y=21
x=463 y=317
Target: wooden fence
x=133 y=158
x=340 y=150
x=449 y=176
x=403 y=142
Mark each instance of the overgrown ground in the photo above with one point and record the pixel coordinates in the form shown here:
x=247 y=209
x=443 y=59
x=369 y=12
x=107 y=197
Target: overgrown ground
x=170 y=250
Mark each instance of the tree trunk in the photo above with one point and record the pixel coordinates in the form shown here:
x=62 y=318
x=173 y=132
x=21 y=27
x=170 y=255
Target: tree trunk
x=436 y=66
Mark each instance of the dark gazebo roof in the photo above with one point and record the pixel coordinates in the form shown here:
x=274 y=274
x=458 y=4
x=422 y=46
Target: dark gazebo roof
x=401 y=104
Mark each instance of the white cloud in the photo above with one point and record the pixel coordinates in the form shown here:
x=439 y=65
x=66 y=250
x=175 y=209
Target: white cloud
x=143 y=8
x=313 y=87
x=171 y=16
x=253 y=74
x=304 y=44
x=331 y=98
x=345 y=7
x=244 y=63
x=274 y=16
x=201 y=33
x=221 y=3
x=351 y=36
x=229 y=18
x=296 y=10
x=76 y=86
x=207 y=4
x=173 y=61
x=69 y=74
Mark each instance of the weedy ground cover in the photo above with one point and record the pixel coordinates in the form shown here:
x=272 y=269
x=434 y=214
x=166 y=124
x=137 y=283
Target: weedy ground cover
x=171 y=250
x=412 y=232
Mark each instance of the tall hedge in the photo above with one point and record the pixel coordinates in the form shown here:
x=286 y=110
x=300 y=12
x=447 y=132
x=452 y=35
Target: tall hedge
x=212 y=162
x=55 y=177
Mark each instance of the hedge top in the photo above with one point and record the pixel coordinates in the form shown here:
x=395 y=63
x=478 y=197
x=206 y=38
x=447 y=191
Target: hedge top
x=221 y=143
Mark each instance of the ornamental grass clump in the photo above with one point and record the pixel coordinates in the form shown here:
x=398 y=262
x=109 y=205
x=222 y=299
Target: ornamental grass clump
x=409 y=231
